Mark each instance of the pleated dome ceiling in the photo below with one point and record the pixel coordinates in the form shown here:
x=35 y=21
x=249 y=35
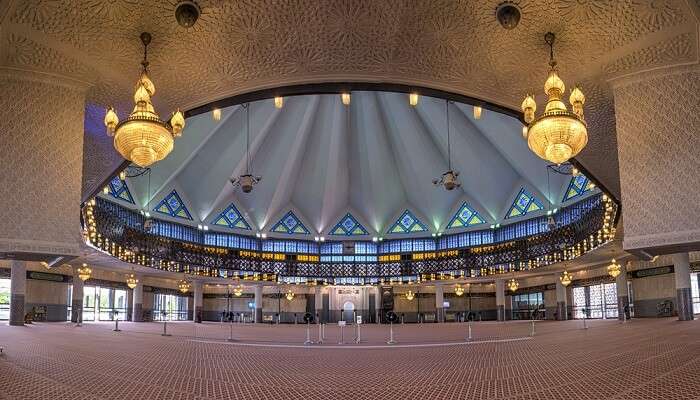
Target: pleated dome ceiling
x=357 y=170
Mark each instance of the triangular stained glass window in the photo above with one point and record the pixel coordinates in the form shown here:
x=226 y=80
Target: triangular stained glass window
x=524 y=203
x=231 y=218
x=348 y=226
x=173 y=206
x=290 y=224
x=578 y=185
x=407 y=223
x=465 y=217
x=118 y=189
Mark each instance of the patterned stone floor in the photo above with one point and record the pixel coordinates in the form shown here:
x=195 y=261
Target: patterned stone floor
x=642 y=359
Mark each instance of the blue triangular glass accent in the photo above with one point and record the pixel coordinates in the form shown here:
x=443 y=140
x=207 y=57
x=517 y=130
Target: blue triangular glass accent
x=524 y=203
x=465 y=217
x=407 y=223
x=232 y=218
x=118 y=189
x=173 y=206
x=348 y=226
x=578 y=185
x=290 y=224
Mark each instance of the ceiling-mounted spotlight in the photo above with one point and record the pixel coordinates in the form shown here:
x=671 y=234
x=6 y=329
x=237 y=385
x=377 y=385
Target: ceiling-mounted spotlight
x=186 y=13
x=477 y=112
x=345 y=97
x=448 y=180
x=216 y=114
x=279 y=101
x=508 y=14
x=413 y=99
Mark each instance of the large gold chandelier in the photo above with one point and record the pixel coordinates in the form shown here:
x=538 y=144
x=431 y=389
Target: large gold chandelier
x=614 y=269
x=143 y=138
x=183 y=286
x=557 y=134
x=512 y=285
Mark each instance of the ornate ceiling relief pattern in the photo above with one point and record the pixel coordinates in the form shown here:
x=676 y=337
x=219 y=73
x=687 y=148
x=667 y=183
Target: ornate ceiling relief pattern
x=658 y=144
x=41 y=150
x=241 y=46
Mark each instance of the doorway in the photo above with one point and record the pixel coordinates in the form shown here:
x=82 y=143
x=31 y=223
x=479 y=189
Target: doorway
x=348 y=312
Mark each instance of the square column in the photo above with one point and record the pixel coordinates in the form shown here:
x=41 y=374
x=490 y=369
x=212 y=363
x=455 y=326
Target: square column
x=500 y=300
x=76 y=306
x=137 y=303
x=684 y=299
x=318 y=303
x=378 y=302
x=18 y=288
x=258 y=304
x=197 y=303
x=562 y=309
x=623 y=300
x=439 y=303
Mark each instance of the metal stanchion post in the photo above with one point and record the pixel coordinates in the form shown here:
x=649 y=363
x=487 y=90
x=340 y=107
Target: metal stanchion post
x=341 y=333
x=323 y=330
x=320 y=333
x=165 y=328
x=391 y=333
x=230 y=332
x=469 y=328
x=532 y=328
x=308 y=335
x=116 y=321
x=584 y=323
x=358 y=339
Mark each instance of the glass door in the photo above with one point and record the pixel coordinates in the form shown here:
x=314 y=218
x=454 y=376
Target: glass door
x=111 y=304
x=89 y=302
x=4 y=299
x=595 y=301
x=169 y=307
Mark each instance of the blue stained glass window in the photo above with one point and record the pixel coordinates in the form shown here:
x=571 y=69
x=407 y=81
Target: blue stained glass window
x=290 y=224
x=524 y=203
x=118 y=189
x=407 y=223
x=578 y=185
x=465 y=217
x=231 y=218
x=173 y=206
x=348 y=226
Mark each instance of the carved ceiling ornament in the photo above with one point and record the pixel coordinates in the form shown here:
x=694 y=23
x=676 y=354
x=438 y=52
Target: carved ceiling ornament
x=237 y=47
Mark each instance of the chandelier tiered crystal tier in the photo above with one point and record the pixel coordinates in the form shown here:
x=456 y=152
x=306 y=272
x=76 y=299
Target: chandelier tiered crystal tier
x=558 y=134
x=143 y=138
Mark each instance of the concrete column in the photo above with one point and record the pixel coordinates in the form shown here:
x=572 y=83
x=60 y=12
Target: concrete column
x=439 y=300
x=562 y=314
x=684 y=300
x=500 y=300
x=623 y=300
x=318 y=303
x=137 y=303
x=258 y=304
x=18 y=288
x=76 y=306
x=198 y=301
